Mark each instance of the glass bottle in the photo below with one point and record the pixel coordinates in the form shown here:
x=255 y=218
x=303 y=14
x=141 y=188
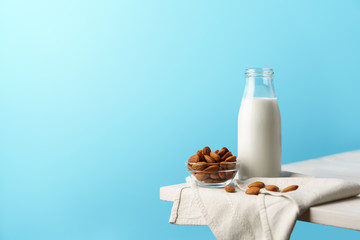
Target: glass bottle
x=259 y=127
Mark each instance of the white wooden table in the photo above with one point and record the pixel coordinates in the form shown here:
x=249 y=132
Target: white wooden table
x=343 y=213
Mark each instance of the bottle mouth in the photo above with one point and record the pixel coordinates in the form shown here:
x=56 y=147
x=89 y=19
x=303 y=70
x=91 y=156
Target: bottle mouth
x=259 y=72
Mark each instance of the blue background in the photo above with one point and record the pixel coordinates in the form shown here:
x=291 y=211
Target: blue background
x=102 y=102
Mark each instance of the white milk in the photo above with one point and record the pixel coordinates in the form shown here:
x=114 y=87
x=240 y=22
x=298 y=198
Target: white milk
x=259 y=138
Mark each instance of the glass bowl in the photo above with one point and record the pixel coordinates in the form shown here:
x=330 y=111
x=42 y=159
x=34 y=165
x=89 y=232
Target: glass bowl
x=212 y=174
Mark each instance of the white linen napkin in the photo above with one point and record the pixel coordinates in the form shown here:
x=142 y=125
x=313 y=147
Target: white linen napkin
x=269 y=215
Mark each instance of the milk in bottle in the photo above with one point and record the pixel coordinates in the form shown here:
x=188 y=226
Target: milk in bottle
x=259 y=127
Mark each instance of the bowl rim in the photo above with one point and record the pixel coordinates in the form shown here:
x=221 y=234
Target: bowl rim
x=201 y=163
x=214 y=164
x=217 y=171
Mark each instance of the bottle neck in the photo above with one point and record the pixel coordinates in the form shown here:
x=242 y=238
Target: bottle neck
x=259 y=83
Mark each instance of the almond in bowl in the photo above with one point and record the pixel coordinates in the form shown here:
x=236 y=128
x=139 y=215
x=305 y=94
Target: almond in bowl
x=212 y=169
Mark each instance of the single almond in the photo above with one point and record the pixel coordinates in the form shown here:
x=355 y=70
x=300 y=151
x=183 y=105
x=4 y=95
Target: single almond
x=229 y=175
x=199 y=166
x=272 y=188
x=231 y=166
x=209 y=159
x=215 y=156
x=229 y=188
x=214 y=176
x=290 y=188
x=256 y=184
x=222 y=175
x=253 y=191
x=201 y=176
x=201 y=156
x=221 y=152
x=224 y=165
x=227 y=165
x=216 y=151
x=206 y=150
x=225 y=156
x=212 y=168
x=231 y=159
x=194 y=158
x=224 y=148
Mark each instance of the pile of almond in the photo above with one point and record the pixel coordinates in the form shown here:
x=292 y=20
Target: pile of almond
x=212 y=167
x=254 y=188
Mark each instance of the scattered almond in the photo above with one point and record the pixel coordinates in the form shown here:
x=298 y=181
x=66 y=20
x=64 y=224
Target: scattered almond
x=256 y=184
x=272 y=188
x=253 y=191
x=290 y=188
x=229 y=188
